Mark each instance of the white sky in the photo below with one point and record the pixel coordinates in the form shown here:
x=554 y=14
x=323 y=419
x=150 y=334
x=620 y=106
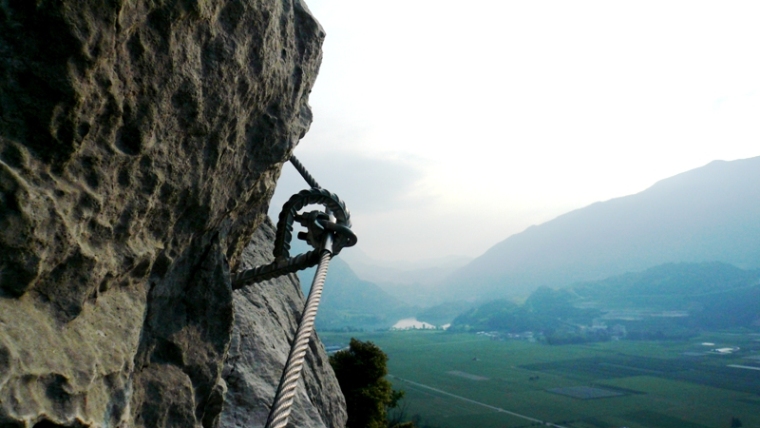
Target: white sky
x=449 y=125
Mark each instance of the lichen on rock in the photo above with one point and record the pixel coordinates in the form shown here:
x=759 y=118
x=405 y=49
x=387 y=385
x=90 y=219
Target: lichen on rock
x=140 y=144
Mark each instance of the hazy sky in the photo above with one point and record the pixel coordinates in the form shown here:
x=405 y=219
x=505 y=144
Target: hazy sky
x=448 y=125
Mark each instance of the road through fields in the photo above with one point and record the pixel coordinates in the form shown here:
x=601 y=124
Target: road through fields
x=459 y=397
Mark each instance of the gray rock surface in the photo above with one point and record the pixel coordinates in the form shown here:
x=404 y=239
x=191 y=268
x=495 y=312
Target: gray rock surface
x=266 y=318
x=140 y=143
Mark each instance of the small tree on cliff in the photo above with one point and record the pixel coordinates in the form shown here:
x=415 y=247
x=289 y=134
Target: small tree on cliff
x=361 y=371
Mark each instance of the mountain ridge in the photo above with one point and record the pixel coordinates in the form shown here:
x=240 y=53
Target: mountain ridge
x=671 y=300
x=702 y=215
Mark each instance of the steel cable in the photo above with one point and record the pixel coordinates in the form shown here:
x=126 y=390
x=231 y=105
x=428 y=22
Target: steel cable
x=286 y=392
x=304 y=173
x=274 y=269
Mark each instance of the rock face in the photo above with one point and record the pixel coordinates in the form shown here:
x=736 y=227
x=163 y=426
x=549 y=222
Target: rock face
x=140 y=143
x=259 y=349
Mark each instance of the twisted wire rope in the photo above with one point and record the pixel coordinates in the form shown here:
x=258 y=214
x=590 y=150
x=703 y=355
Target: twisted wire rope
x=304 y=173
x=286 y=392
x=274 y=269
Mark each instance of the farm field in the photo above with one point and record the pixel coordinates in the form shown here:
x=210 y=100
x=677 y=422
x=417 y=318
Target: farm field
x=465 y=380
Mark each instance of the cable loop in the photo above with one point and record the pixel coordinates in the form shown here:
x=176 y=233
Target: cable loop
x=317 y=223
x=312 y=196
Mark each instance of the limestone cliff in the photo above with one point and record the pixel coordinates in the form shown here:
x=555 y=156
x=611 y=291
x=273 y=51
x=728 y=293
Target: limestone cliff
x=140 y=143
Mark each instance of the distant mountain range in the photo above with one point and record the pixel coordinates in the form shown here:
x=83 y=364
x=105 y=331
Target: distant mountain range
x=707 y=295
x=709 y=214
x=414 y=283
x=672 y=300
x=682 y=282
x=695 y=234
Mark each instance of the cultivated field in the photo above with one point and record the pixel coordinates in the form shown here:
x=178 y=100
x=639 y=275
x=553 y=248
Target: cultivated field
x=464 y=380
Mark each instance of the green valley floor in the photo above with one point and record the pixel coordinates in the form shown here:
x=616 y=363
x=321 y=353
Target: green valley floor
x=467 y=380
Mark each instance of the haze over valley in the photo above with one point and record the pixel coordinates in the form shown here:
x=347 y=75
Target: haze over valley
x=703 y=217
